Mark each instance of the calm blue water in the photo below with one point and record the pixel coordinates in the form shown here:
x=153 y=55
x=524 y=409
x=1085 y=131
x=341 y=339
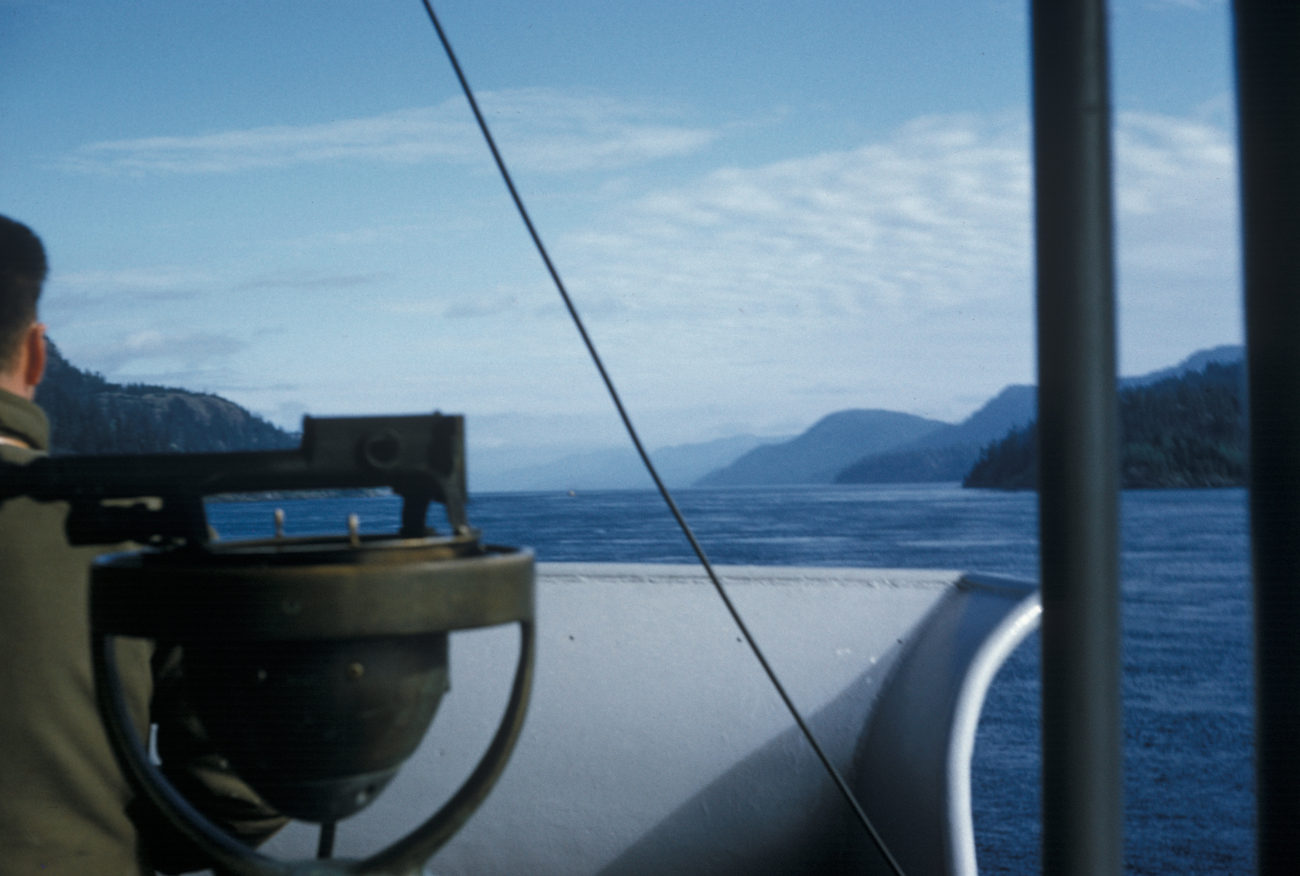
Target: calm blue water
x=1189 y=803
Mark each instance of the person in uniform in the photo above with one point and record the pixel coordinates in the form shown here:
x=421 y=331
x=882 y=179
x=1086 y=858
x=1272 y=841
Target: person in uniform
x=65 y=807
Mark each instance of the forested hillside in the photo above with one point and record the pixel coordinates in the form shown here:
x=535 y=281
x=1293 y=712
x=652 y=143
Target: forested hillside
x=1187 y=431
x=946 y=453
x=816 y=456
x=89 y=415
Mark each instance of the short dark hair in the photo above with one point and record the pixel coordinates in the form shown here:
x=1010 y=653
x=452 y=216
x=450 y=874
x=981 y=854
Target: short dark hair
x=22 y=271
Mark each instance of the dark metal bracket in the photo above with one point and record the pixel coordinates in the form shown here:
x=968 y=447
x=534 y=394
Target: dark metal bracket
x=421 y=458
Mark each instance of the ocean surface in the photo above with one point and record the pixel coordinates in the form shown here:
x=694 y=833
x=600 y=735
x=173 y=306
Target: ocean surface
x=1187 y=686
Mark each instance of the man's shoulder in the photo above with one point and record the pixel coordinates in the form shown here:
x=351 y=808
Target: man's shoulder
x=12 y=453
x=24 y=421
x=32 y=535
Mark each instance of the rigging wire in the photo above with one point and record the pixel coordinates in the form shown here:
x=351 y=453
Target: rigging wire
x=834 y=773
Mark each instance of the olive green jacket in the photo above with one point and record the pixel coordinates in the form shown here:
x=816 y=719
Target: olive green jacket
x=63 y=802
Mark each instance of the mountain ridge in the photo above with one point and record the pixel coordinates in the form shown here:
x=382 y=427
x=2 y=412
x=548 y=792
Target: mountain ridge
x=945 y=452
x=948 y=453
x=1185 y=430
x=815 y=456
x=89 y=415
x=620 y=468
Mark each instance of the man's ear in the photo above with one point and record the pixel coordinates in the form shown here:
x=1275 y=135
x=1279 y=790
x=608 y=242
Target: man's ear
x=34 y=356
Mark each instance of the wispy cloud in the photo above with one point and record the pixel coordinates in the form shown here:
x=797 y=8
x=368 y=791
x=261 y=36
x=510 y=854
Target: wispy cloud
x=1171 y=164
x=534 y=300
x=76 y=292
x=87 y=289
x=936 y=215
x=168 y=350
x=897 y=274
x=1190 y=4
x=1176 y=185
x=915 y=247
x=160 y=279
x=549 y=131
x=308 y=282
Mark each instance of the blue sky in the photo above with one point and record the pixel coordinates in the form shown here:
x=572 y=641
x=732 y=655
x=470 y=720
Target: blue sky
x=766 y=211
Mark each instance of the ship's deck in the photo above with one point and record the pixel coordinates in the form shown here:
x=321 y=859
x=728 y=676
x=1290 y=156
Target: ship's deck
x=654 y=744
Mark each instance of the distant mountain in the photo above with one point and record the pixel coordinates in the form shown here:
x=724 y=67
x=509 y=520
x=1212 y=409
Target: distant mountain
x=1224 y=355
x=619 y=468
x=684 y=464
x=861 y=446
x=90 y=415
x=612 y=468
x=926 y=465
x=1187 y=430
x=816 y=456
x=947 y=453
x=1015 y=405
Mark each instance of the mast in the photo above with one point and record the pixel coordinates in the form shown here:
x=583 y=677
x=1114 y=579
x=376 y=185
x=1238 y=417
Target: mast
x=1078 y=441
x=1268 y=100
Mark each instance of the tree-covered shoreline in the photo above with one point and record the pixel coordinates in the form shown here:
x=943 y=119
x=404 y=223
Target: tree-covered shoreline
x=1186 y=431
x=90 y=415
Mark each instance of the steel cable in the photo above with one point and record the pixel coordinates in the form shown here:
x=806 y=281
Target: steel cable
x=830 y=768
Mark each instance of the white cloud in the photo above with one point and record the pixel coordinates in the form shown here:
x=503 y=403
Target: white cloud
x=311 y=281
x=71 y=295
x=546 y=130
x=898 y=274
x=1191 y=4
x=935 y=216
x=143 y=280
x=1171 y=165
x=554 y=131
x=163 y=351
x=1179 y=261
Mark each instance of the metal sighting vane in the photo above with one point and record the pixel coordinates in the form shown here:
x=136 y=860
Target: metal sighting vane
x=314 y=664
x=834 y=773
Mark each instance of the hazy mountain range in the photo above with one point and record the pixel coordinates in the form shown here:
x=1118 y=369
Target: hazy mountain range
x=819 y=454
x=1226 y=354
x=618 y=468
x=91 y=415
x=1181 y=429
x=852 y=446
x=947 y=453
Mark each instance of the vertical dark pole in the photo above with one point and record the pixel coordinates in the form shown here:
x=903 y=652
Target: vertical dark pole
x=1268 y=98
x=1078 y=441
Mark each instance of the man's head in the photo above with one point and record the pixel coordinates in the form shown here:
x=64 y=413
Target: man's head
x=22 y=338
